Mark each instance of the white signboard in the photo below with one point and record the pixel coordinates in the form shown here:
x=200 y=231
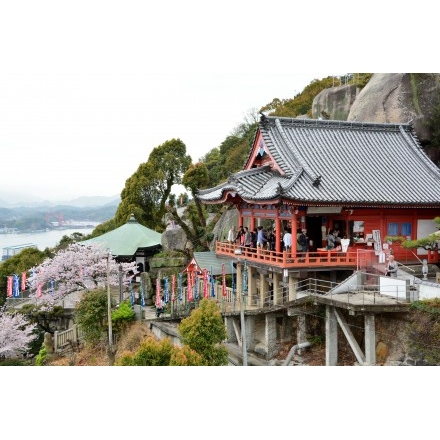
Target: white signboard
x=377 y=241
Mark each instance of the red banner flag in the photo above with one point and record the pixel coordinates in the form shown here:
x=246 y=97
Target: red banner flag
x=205 y=283
x=223 y=280
x=23 y=281
x=190 y=286
x=173 y=287
x=10 y=278
x=39 y=292
x=158 y=299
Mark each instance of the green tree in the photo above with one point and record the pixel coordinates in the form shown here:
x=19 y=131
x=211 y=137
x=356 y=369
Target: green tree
x=91 y=314
x=146 y=192
x=429 y=242
x=122 y=316
x=204 y=331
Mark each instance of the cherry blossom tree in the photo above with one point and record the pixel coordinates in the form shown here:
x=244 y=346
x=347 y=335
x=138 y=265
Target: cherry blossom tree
x=76 y=268
x=16 y=333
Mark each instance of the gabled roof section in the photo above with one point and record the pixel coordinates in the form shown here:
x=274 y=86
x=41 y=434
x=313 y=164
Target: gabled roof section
x=210 y=261
x=336 y=162
x=127 y=239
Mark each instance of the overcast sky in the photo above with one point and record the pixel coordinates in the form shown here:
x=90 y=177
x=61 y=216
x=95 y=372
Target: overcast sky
x=89 y=88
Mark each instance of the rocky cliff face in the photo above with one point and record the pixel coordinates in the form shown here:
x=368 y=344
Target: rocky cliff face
x=334 y=103
x=387 y=98
x=399 y=98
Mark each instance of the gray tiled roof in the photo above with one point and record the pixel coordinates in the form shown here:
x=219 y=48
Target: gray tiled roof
x=326 y=162
x=209 y=260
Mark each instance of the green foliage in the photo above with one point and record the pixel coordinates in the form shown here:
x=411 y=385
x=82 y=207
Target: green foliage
x=186 y=357
x=10 y=362
x=301 y=104
x=91 y=315
x=424 y=331
x=204 y=331
x=152 y=352
x=395 y=238
x=41 y=358
x=146 y=192
x=122 y=316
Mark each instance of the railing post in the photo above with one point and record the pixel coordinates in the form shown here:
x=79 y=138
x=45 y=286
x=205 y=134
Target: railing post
x=55 y=341
x=75 y=333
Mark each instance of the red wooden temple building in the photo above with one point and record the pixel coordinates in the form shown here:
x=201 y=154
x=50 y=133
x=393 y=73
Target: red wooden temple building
x=367 y=180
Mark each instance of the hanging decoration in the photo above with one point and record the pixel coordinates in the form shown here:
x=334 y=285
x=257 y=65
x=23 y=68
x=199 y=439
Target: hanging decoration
x=10 y=281
x=23 y=281
x=167 y=291
x=173 y=285
x=190 y=287
x=205 y=283
x=223 y=280
x=244 y=289
x=158 y=292
x=212 y=280
x=180 y=288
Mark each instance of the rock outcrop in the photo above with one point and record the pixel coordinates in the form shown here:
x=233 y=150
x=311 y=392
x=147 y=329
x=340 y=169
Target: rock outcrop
x=334 y=103
x=399 y=98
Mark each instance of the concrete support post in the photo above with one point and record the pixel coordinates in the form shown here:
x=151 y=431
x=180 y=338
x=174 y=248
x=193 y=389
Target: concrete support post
x=292 y=288
x=270 y=336
x=301 y=331
x=276 y=289
x=264 y=289
x=230 y=330
x=250 y=332
x=331 y=338
x=370 y=340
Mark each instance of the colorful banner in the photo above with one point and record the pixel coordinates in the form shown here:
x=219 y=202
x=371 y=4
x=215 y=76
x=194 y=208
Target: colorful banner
x=233 y=281
x=141 y=287
x=244 y=289
x=167 y=291
x=223 y=280
x=212 y=284
x=205 y=283
x=39 y=292
x=130 y=284
x=16 y=286
x=23 y=281
x=9 y=290
x=196 y=285
x=190 y=287
x=173 y=286
x=180 y=288
x=158 y=292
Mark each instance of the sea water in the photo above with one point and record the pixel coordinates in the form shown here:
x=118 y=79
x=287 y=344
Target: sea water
x=43 y=240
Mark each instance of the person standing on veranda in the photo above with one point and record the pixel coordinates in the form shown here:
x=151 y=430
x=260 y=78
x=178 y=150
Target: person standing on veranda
x=287 y=240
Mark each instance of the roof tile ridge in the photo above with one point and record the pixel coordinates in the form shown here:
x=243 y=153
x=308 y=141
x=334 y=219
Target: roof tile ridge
x=419 y=152
x=296 y=154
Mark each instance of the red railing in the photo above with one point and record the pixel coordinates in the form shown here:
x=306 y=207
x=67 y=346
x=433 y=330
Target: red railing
x=288 y=260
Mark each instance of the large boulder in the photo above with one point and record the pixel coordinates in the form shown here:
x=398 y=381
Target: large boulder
x=399 y=98
x=334 y=103
x=228 y=218
x=175 y=239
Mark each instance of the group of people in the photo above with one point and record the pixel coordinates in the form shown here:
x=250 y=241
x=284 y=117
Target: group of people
x=259 y=237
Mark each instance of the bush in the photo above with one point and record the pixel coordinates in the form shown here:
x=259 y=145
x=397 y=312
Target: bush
x=41 y=358
x=122 y=316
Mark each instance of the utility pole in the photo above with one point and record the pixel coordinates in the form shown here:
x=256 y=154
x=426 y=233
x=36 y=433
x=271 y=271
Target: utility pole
x=120 y=284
